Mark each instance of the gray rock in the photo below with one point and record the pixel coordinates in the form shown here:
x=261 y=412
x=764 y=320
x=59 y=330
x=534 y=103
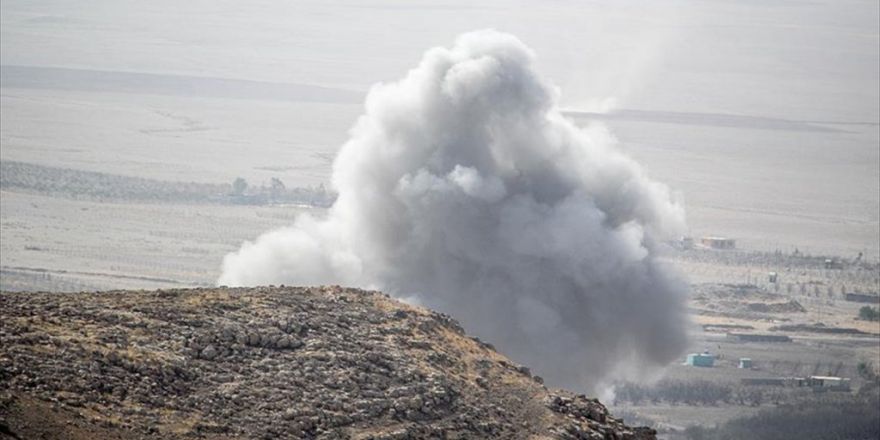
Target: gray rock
x=210 y=352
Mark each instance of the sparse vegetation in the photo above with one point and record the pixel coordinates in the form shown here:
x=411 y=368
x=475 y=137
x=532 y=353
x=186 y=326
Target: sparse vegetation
x=704 y=393
x=842 y=417
x=88 y=185
x=700 y=392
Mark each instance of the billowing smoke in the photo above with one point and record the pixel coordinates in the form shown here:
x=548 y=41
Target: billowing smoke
x=464 y=188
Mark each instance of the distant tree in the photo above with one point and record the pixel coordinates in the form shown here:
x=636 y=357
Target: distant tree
x=869 y=313
x=276 y=188
x=239 y=186
x=276 y=184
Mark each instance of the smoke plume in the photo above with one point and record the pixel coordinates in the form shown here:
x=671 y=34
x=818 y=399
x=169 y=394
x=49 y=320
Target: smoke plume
x=464 y=188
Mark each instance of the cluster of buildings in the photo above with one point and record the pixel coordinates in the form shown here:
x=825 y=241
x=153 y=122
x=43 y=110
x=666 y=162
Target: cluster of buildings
x=817 y=383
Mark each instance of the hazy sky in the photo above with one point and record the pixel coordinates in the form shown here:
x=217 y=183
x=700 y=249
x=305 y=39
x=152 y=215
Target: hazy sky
x=769 y=58
x=798 y=161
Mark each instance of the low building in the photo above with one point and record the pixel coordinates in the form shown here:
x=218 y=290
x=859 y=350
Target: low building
x=828 y=383
x=714 y=242
x=757 y=337
x=700 y=360
x=745 y=363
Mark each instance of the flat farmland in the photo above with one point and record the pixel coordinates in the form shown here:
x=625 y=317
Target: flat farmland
x=55 y=243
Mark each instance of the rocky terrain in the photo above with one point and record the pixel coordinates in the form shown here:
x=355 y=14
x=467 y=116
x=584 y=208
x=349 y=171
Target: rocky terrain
x=265 y=363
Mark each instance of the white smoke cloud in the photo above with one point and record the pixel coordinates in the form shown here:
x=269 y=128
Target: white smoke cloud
x=463 y=187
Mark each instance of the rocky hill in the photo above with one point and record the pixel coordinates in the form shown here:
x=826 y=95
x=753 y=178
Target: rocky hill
x=265 y=363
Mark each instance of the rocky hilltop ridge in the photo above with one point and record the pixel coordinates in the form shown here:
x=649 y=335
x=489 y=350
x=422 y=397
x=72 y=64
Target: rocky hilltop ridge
x=265 y=363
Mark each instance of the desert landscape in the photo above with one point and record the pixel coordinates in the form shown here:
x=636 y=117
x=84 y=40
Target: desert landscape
x=170 y=244
x=147 y=146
